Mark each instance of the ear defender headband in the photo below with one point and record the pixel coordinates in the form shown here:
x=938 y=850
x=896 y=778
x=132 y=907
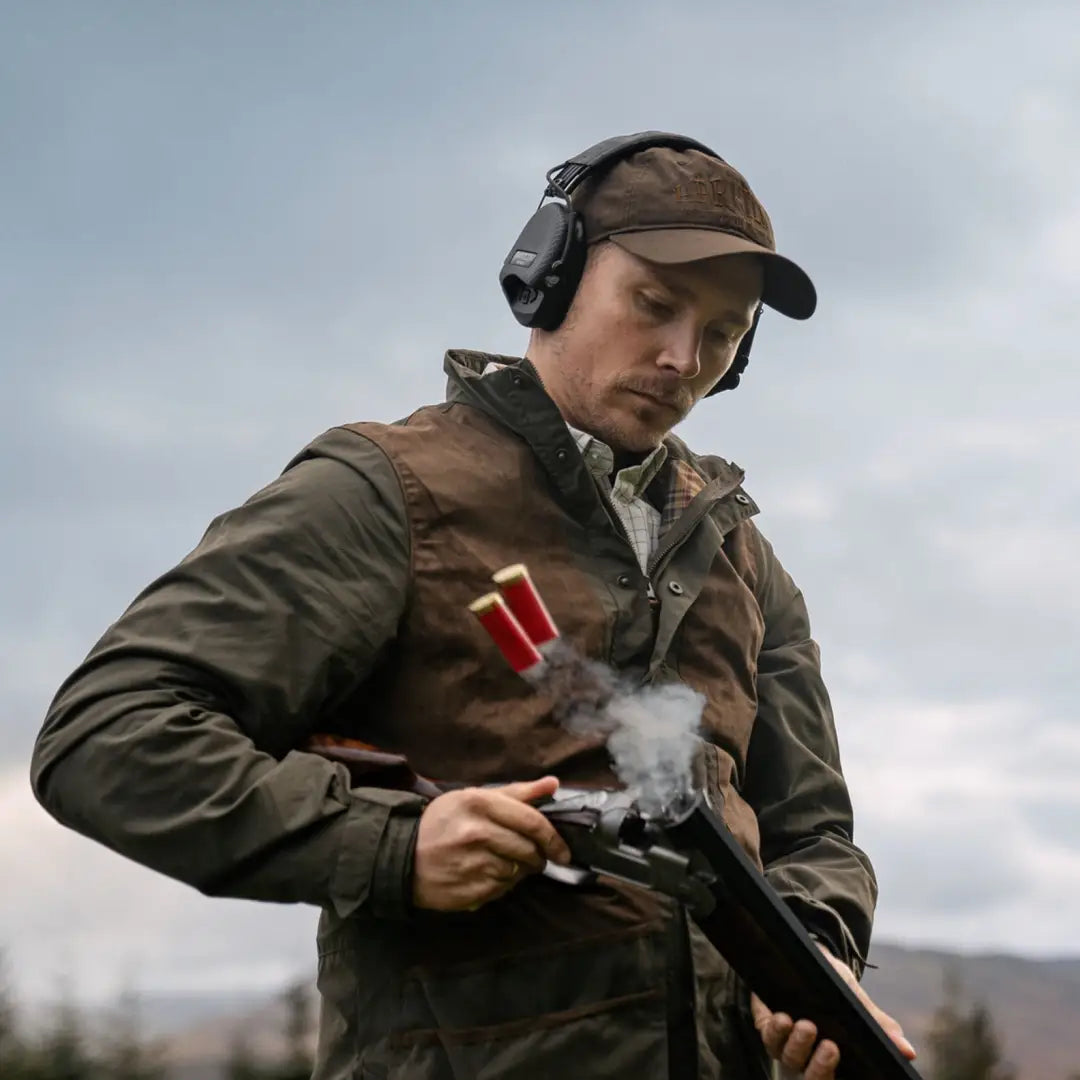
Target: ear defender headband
x=540 y=275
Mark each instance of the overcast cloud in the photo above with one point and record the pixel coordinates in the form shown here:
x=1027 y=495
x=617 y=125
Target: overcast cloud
x=227 y=227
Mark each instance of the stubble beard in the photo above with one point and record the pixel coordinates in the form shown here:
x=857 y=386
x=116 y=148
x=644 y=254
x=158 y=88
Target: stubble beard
x=607 y=412
x=615 y=425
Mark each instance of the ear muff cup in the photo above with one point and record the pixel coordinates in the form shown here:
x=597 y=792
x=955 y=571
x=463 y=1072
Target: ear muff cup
x=544 y=267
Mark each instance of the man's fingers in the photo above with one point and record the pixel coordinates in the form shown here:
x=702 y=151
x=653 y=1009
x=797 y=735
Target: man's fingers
x=774 y=1028
x=511 y=847
x=775 y=1034
x=508 y=871
x=890 y=1026
x=895 y=1032
x=475 y=844
x=505 y=808
x=822 y=1066
x=903 y=1045
x=798 y=1046
x=760 y=1012
x=529 y=790
x=791 y=1044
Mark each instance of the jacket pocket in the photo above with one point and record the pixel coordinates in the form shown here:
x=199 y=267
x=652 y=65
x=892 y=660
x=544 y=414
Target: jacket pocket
x=623 y=1036
x=591 y=1007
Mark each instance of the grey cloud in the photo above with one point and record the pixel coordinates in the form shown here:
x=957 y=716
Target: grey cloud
x=1055 y=818
x=936 y=870
x=223 y=234
x=83 y=913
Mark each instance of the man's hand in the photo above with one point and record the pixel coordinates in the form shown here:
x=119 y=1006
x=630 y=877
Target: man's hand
x=476 y=844
x=791 y=1043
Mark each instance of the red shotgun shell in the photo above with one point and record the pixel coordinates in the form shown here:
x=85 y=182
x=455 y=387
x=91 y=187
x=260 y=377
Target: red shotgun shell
x=507 y=633
x=520 y=593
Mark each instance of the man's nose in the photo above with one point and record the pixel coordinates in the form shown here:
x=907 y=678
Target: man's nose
x=682 y=350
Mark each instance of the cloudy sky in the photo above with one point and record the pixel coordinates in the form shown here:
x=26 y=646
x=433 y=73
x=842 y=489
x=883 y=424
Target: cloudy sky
x=225 y=227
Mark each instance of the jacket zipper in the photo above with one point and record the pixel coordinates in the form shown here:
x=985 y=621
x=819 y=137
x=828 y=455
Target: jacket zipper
x=679 y=532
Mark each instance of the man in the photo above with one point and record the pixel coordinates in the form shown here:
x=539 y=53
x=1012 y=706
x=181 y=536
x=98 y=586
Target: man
x=335 y=601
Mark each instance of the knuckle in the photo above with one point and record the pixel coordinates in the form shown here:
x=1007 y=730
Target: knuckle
x=544 y=833
x=472 y=798
x=824 y=1061
x=471 y=833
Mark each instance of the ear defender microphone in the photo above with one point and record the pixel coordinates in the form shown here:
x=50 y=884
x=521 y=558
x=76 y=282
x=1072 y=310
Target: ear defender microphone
x=742 y=357
x=542 y=271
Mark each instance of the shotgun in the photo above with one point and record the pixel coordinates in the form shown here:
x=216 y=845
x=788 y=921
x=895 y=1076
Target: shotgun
x=682 y=849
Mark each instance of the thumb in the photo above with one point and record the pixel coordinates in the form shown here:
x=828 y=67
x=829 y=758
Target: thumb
x=528 y=790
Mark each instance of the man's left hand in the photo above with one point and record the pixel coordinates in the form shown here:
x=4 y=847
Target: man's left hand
x=791 y=1042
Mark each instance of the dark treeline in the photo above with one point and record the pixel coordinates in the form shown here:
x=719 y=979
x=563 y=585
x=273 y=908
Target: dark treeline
x=960 y=1044
x=64 y=1046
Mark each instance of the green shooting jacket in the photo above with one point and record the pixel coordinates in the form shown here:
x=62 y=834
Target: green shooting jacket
x=335 y=600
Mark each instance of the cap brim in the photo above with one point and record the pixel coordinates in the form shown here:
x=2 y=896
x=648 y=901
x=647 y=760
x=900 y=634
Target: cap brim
x=788 y=289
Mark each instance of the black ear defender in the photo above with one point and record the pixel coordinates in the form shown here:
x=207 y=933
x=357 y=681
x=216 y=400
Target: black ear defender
x=541 y=272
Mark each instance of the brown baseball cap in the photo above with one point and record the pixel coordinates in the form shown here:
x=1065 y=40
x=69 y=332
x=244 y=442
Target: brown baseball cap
x=674 y=206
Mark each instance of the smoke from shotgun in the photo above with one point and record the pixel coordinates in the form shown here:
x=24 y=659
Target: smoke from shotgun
x=650 y=732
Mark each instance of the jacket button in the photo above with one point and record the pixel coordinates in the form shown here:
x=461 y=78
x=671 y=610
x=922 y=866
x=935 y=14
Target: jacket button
x=624 y=580
x=675 y=588
x=741 y=498
x=516 y=380
x=560 y=456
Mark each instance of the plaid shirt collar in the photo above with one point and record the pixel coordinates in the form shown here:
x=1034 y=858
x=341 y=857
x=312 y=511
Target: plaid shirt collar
x=683 y=483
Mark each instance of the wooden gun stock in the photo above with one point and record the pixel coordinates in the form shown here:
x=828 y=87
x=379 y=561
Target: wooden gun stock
x=371 y=767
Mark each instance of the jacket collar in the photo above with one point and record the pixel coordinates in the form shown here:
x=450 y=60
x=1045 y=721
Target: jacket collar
x=515 y=398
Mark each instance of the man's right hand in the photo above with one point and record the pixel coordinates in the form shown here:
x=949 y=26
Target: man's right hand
x=476 y=844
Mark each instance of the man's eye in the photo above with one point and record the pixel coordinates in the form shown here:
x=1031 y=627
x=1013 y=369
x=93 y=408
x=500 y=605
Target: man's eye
x=657 y=308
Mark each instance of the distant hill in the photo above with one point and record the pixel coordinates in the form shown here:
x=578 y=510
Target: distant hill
x=1035 y=1005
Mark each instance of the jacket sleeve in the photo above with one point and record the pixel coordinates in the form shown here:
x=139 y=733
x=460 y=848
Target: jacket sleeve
x=172 y=743
x=794 y=780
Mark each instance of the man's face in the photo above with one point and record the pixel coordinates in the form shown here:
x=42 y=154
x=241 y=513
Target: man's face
x=644 y=342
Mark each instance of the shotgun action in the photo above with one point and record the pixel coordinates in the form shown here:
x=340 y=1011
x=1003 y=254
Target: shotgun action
x=691 y=856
